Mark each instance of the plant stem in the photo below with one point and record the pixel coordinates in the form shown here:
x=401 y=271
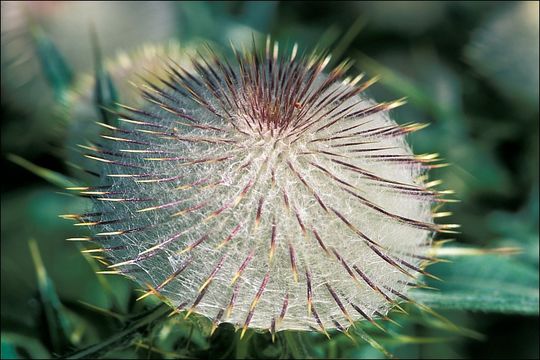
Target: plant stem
x=145 y=320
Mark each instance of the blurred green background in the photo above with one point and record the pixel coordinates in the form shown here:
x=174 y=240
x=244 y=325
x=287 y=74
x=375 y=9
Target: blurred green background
x=470 y=69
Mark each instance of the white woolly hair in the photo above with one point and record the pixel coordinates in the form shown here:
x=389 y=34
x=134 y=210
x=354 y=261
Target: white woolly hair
x=266 y=194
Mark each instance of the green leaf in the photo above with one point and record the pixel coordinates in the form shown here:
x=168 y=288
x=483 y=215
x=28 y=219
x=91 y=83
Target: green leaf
x=196 y=19
x=400 y=84
x=105 y=93
x=259 y=14
x=60 y=329
x=9 y=351
x=12 y=343
x=506 y=302
x=504 y=50
x=347 y=39
x=294 y=345
x=53 y=64
x=51 y=176
x=488 y=283
x=121 y=337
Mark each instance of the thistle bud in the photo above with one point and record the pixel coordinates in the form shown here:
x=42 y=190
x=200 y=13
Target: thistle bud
x=268 y=192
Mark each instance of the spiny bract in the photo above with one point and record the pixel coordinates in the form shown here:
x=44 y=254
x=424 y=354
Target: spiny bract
x=79 y=110
x=265 y=193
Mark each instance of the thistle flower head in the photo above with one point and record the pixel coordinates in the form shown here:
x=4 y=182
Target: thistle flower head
x=266 y=191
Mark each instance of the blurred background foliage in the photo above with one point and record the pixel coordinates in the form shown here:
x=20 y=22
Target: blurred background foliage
x=470 y=69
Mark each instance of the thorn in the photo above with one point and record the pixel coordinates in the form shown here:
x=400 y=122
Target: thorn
x=93 y=223
x=433 y=183
x=128 y=262
x=244 y=328
x=189 y=312
x=146 y=294
x=386 y=318
x=79 y=239
x=70 y=216
x=90 y=251
x=109 y=272
x=441 y=214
